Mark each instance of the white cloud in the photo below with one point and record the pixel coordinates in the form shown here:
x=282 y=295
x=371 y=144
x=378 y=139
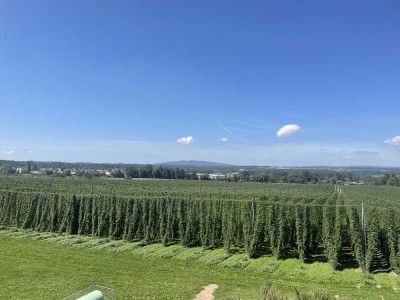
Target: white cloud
x=288 y=130
x=186 y=140
x=8 y=151
x=347 y=157
x=30 y=151
x=223 y=139
x=394 y=141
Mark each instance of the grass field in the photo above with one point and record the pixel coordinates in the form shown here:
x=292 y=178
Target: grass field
x=52 y=266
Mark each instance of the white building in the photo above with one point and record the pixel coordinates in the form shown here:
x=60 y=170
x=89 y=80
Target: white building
x=219 y=176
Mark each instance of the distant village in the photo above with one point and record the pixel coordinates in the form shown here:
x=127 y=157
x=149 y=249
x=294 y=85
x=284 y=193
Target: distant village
x=150 y=172
x=215 y=173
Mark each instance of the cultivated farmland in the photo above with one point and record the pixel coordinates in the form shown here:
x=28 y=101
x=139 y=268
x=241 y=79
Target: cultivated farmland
x=311 y=223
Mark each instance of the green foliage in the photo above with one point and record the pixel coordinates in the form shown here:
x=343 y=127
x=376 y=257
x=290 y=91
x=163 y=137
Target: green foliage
x=255 y=219
x=269 y=292
x=356 y=236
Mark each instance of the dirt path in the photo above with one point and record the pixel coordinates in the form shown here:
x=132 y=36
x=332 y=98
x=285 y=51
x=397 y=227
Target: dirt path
x=207 y=292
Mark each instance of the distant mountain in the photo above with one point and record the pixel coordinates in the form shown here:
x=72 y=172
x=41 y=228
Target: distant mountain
x=194 y=163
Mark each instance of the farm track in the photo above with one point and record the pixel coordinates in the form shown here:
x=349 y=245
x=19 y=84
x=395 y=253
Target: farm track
x=207 y=293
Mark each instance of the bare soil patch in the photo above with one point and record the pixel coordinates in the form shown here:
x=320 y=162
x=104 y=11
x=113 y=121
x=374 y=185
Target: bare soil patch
x=207 y=293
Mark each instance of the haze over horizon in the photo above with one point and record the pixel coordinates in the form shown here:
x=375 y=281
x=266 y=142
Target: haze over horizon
x=248 y=83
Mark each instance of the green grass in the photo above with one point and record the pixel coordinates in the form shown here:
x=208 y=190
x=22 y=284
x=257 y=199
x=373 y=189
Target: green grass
x=49 y=266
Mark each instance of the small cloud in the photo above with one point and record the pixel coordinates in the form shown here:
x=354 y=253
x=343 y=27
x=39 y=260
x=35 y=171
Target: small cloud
x=30 y=151
x=8 y=151
x=288 y=130
x=223 y=139
x=366 y=152
x=394 y=141
x=186 y=140
x=347 y=157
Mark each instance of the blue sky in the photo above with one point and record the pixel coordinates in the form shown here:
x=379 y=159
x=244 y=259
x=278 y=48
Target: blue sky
x=124 y=81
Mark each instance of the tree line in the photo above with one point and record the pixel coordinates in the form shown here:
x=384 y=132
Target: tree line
x=252 y=174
